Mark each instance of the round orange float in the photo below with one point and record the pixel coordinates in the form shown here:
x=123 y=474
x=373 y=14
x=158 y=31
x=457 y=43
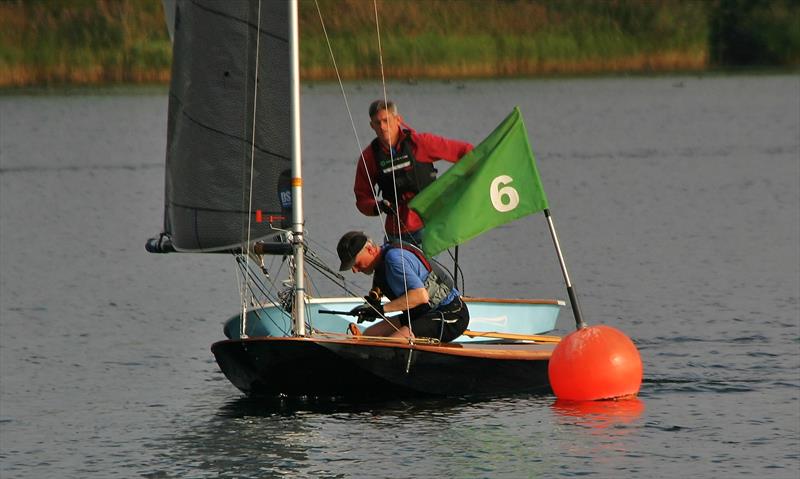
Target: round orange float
x=595 y=362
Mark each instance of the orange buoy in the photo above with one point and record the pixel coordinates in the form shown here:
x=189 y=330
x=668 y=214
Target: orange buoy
x=595 y=362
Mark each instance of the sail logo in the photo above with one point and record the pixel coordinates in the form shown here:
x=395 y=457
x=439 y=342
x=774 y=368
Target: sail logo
x=286 y=198
x=504 y=198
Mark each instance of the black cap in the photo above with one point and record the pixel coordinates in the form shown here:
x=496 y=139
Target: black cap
x=348 y=247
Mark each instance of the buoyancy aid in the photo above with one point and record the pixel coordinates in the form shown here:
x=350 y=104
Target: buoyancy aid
x=438 y=284
x=409 y=175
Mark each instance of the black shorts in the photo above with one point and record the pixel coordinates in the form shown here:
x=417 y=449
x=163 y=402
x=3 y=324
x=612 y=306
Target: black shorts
x=445 y=323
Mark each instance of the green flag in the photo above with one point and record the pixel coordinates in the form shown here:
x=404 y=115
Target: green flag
x=495 y=183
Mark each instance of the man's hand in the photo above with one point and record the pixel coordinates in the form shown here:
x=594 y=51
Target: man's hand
x=373 y=297
x=367 y=312
x=385 y=207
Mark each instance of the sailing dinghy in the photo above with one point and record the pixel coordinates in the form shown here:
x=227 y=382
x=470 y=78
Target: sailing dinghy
x=234 y=185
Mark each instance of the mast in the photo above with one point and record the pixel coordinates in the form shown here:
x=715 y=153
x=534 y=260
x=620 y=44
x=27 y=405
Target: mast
x=298 y=311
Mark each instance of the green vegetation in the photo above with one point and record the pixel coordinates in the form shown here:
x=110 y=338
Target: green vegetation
x=755 y=32
x=83 y=42
x=46 y=42
x=447 y=38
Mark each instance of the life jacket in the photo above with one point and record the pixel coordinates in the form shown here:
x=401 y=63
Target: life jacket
x=410 y=175
x=438 y=284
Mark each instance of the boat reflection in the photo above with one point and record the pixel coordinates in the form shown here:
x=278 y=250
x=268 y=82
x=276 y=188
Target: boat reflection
x=287 y=406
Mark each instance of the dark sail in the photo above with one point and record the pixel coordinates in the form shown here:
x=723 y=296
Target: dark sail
x=210 y=129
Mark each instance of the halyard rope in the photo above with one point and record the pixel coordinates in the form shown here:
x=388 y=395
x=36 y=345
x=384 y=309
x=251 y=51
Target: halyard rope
x=391 y=162
x=243 y=291
x=353 y=125
x=349 y=112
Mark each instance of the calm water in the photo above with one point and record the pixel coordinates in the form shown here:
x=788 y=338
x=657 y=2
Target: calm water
x=678 y=205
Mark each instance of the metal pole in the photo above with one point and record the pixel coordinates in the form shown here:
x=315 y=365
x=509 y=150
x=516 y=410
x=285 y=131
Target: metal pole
x=573 y=298
x=299 y=309
x=455 y=270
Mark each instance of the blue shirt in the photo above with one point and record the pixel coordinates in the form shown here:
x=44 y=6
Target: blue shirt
x=395 y=260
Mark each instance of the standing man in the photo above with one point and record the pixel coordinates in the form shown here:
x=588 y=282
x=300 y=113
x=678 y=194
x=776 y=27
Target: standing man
x=399 y=160
x=421 y=290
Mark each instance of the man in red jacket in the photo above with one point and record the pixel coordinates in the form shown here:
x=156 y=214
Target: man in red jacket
x=399 y=164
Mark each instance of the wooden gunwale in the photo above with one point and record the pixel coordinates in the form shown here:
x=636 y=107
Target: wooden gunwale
x=556 y=302
x=539 y=338
x=514 y=351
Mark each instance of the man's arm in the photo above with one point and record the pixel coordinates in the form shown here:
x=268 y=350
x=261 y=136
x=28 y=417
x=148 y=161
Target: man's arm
x=436 y=147
x=412 y=299
x=364 y=188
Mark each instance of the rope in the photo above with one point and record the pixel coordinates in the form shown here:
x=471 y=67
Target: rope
x=247 y=272
x=253 y=132
x=389 y=339
x=350 y=115
x=355 y=132
x=246 y=235
x=361 y=150
x=249 y=283
x=391 y=160
x=243 y=290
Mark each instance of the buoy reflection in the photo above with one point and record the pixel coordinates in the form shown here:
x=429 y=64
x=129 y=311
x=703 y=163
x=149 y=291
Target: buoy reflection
x=599 y=414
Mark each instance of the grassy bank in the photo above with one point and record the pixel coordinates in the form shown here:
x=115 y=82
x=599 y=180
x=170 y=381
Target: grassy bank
x=502 y=38
x=83 y=42
x=48 y=42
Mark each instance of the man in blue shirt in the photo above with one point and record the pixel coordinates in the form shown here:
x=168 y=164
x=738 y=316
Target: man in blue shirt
x=418 y=288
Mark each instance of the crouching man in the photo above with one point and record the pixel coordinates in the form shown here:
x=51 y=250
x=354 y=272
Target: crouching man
x=415 y=286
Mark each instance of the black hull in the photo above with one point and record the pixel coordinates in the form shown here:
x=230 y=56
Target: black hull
x=374 y=369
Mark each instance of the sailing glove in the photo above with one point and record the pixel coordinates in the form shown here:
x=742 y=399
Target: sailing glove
x=385 y=207
x=367 y=312
x=373 y=297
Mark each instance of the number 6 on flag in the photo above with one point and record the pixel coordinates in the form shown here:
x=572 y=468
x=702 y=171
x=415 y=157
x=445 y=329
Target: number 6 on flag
x=498 y=190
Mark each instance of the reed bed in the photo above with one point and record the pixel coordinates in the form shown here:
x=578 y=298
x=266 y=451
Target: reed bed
x=126 y=41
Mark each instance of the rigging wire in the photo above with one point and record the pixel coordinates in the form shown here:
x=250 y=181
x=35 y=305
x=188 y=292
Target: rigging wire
x=350 y=115
x=246 y=270
x=262 y=310
x=265 y=291
x=241 y=287
x=253 y=133
x=361 y=150
x=246 y=235
x=457 y=271
x=352 y=123
x=249 y=281
x=244 y=262
x=243 y=165
x=391 y=162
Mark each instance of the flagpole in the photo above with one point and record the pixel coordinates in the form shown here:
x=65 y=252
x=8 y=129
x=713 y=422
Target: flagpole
x=455 y=270
x=573 y=298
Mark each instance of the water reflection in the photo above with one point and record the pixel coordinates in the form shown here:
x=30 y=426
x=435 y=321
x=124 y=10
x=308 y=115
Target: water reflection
x=599 y=414
x=316 y=437
x=291 y=406
x=234 y=442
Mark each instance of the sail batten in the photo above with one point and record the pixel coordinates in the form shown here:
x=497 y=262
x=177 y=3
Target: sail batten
x=217 y=147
